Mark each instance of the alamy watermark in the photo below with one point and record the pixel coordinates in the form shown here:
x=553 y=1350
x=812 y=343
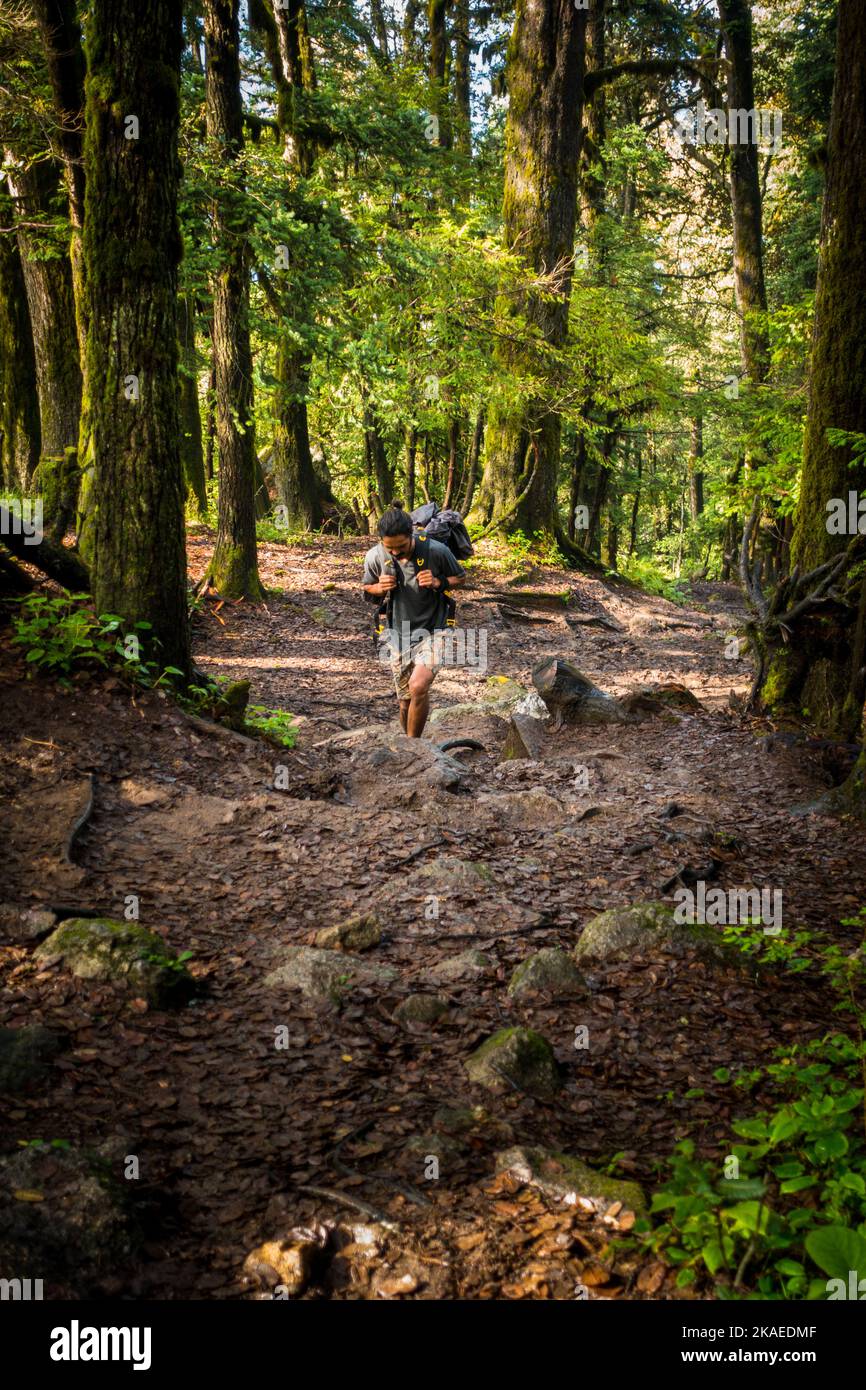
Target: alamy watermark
x=22 y=518
x=847 y=516
x=449 y=646
x=704 y=125
x=727 y=907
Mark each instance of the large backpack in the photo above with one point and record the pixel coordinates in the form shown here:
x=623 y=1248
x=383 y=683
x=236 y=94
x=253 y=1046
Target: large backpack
x=447 y=527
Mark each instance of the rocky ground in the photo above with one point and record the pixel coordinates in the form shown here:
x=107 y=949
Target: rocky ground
x=325 y=1114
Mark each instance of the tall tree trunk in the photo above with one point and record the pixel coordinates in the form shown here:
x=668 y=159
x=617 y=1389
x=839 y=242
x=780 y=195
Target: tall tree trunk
x=132 y=248
x=51 y=305
x=745 y=187
x=192 y=453
x=462 y=78
x=234 y=567
x=437 y=14
x=410 y=19
x=837 y=379
x=19 y=403
x=821 y=667
x=542 y=141
x=298 y=486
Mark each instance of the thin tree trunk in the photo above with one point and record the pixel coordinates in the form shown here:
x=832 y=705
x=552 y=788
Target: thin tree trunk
x=635 y=508
x=19 y=403
x=234 y=566
x=51 y=306
x=696 y=476
x=192 y=454
x=745 y=188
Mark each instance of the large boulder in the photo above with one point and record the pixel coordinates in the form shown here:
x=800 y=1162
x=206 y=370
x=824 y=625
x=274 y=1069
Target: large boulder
x=325 y=977
x=122 y=952
x=565 y=1178
x=549 y=971
x=571 y=697
x=515 y=1058
x=625 y=931
x=25 y=1056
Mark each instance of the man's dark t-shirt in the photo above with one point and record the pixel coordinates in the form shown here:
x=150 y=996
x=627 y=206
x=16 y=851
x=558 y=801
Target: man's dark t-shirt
x=423 y=609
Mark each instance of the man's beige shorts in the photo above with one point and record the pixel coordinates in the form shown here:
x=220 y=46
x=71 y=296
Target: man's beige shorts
x=421 y=654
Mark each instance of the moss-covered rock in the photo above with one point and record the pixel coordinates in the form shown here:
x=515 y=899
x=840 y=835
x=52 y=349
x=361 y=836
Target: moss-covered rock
x=550 y=971
x=101 y=949
x=624 y=931
x=561 y=1177
x=25 y=1056
x=515 y=1057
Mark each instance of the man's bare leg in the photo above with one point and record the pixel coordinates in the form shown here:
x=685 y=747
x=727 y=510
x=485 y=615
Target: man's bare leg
x=404 y=715
x=420 y=682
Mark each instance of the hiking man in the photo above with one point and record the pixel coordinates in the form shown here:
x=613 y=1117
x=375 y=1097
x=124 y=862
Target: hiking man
x=411 y=572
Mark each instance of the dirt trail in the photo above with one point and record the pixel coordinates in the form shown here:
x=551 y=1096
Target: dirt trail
x=227 y=1127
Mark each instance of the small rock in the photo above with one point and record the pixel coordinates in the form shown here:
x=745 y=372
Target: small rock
x=23 y=924
x=286 y=1264
x=525 y=739
x=325 y=976
x=421 y=1008
x=518 y=1056
x=359 y=933
x=466 y=965
x=549 y=971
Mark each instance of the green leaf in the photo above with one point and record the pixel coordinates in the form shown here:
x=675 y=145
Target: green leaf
x=831 y=1145
x=797 y=1184
x=837 y=1250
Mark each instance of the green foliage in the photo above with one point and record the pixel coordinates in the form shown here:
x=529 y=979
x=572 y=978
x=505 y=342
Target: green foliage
x=647 y=574
x=791 y=1193
x=60 y=634
x=276 y=724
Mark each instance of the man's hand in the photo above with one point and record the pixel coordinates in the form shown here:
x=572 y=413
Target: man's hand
x=427 y=580
x=387 y=582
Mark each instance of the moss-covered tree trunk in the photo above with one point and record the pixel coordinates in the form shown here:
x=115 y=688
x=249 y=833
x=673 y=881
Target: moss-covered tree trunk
x=50 y=301
x=234 y=566
x=542 y=140
x=837 y=380
x=19 y=403
x=818 y=669
x=132 y=249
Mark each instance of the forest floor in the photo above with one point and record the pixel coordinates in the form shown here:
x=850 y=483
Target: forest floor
x=227 y=1127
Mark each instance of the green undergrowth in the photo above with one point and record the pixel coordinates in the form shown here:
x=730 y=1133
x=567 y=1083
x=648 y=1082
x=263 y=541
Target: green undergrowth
x=781 y=1215
x=62 y=636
